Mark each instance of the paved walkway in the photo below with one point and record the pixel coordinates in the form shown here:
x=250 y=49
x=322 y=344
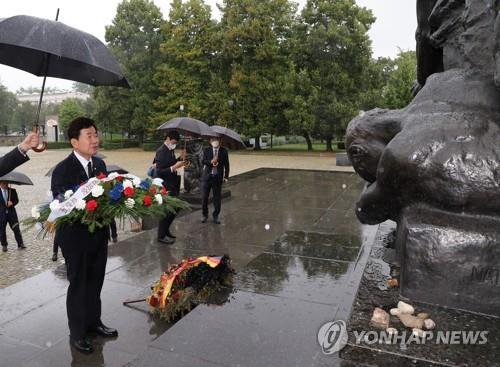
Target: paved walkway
x=18 y=265
x=299 y=253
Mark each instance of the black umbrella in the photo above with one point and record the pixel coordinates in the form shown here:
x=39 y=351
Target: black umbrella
x=16 y=178
x=188 y=126
x=50 y=48
x=228 y=133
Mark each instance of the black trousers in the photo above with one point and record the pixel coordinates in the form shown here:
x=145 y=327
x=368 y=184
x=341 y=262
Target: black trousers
x=164 y=223
x=112 y=228
x=11 y=219
x=86 y=270
x=213 y=183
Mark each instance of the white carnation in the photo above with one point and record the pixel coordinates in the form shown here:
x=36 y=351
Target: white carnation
x=113 y=175
x=80 y=204
x=129 y=203
x=54 y=205
x=157 y=181
x=97 y=191
x=159 y=199
x=35 y=213
x=68 y=194
x=127 y=183
x=136 y=181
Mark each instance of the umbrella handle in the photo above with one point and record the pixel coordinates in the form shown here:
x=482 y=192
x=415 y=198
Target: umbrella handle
x=43 y=146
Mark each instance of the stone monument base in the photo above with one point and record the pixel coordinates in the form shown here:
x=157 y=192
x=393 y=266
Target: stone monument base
x=450 y=260
x=459 y=339
x=195 y=199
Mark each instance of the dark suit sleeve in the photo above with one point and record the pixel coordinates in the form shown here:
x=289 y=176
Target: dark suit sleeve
x=226 y=164
x=13 y=197
x=206 y=157
x=11 y=160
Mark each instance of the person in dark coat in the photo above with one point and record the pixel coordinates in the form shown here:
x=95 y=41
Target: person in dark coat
x=85 y=253
x=215 y=172
x=17 y=156
x=8 y=214
x=165 y=166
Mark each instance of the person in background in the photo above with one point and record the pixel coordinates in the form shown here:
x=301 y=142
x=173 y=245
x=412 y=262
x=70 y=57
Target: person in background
x=215 y=172
x=8 y=214
x=165 y=167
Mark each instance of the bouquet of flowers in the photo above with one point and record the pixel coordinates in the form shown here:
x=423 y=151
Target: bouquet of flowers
x=191 y=282
x=101 y=199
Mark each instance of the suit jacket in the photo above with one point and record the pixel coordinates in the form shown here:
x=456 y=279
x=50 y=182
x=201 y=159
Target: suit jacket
x=11 y=160
x=164 y=159
x=4 y=210
x=222 y=167
x=69 y=174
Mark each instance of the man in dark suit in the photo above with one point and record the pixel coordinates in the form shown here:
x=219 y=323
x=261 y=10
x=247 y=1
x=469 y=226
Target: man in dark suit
x=8 y=214
x=17 y=156
x=85 y=253
x=166 y=166
x=215 y=171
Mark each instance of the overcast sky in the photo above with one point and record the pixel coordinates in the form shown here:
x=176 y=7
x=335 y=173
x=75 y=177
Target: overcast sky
x=394 y=28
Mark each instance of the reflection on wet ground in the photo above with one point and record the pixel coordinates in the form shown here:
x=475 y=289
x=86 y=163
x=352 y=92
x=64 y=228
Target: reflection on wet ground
x=298 y=258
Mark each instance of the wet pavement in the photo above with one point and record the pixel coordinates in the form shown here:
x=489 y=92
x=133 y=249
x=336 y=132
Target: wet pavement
x=18 y=265
x=299 y=253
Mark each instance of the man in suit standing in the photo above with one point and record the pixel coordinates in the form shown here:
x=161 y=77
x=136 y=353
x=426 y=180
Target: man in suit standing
x=8 y=214
x=166 y=166
x=215 y=171
x=85 y=253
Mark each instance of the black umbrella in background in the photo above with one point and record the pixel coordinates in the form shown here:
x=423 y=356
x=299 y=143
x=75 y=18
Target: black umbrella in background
x=187 y=126
x=225 y=132
x=16 y=178
x=50 y=48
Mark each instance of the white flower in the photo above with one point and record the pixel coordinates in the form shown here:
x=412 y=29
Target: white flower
x=80 y=204
x=54 y=205
x=158 y=199
x=113 y=175
x=127 y=183
x=136 y=181
x=35 y=213
x=129 y=203
x=157 y=181
x=97 y=191
x=68 y=194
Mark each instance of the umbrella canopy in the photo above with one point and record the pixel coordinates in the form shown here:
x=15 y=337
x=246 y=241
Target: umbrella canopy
x=109 y=167
x=16 y=178
x=188 y=126
x=228 y=133
x=50 y=48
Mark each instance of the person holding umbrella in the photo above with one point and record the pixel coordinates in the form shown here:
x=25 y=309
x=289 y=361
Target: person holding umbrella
x=8 y=214
x=215 y=172
x=18 y=155
x=166 y=166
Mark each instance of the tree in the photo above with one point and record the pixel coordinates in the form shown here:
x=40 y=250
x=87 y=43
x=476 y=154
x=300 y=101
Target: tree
x=254 y=61
x=397 y=92
x=134 y=39
x=8 y=104
x=70 y=109
x=83 y=88
x=377 y=76
x=188 y=75
x=24 y=115
x=335 y=51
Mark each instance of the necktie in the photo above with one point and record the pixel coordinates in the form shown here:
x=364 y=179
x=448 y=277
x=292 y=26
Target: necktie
x=5 y=197
x=214 y=168
x=90 y=172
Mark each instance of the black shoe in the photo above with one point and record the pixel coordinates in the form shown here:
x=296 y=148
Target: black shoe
x=166 y=240
x=115 y=239
x=4 y=248
x=170 y=235
x=81 y=345
x=54 y=256
x=204 y=220
x=21 y=246
x=216 y=220
x=105 y=331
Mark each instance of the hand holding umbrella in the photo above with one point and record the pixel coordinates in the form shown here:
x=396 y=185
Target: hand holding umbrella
x=30 y=142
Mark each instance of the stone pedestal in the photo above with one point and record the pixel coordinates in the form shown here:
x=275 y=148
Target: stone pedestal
x=195 y=199
x=450 y=260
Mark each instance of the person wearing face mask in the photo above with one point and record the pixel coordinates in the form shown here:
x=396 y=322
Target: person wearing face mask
x=215 y=172
x=165 y=167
